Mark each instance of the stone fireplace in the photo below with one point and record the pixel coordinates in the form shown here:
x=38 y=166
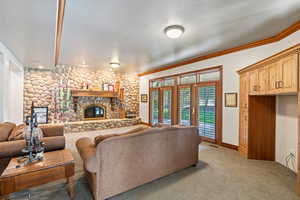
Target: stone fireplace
x=94 y=112
x=54 y=89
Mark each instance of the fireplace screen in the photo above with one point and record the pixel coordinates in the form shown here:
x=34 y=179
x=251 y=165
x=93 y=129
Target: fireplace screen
x=94 y=112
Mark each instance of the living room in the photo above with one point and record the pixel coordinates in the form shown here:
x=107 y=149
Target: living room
x=149 y=100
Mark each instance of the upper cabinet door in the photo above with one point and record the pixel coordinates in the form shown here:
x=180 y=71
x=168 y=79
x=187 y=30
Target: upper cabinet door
x=274 y=72
x=262 y=80
x=244 y=88
x=253 y=82
x=289 y=70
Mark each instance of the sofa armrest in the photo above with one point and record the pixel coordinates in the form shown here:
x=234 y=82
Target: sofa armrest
x=11 y=148
x=14 y=148
x=54 y=143
x=87 y=151
x=51 y=131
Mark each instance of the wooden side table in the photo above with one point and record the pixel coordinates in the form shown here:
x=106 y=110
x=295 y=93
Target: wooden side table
x=56 y=165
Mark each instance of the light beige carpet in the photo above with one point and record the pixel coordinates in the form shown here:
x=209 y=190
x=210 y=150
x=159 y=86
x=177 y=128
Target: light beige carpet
x=221 y=174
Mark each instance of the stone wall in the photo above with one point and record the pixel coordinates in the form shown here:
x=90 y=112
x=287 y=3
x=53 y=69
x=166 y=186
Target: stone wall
x=52 y=89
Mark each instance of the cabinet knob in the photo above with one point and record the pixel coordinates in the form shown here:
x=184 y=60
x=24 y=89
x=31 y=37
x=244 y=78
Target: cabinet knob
x=280 y=84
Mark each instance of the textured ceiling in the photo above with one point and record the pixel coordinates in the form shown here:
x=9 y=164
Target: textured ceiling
x=27 y=28
x=131 y=31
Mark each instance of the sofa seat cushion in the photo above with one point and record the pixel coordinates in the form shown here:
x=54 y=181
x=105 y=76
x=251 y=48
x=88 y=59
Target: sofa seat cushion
x=5 y=130
x=17 y=133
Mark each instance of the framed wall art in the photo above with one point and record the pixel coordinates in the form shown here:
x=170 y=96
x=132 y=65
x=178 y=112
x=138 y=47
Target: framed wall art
x=231 y=99
x=144 y=98
x=42 y=114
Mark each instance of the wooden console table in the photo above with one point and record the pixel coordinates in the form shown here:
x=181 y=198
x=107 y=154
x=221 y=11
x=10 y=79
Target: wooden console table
x=56 y=165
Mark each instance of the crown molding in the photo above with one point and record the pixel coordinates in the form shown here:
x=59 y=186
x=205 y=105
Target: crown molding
x=283 y=34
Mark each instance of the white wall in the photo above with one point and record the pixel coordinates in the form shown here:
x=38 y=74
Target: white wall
x=11 y=87
x=231 y=63
x=286 y=129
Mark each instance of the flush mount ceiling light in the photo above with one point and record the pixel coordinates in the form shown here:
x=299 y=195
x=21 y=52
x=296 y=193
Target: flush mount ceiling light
x=114 y=65
x=174 y=31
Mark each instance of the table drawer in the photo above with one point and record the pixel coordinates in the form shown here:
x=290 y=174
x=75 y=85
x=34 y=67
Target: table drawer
x=39 y=177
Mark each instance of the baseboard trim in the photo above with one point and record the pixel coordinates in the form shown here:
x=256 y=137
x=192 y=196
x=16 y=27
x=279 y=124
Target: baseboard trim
x=230 y=146
x=144 y=123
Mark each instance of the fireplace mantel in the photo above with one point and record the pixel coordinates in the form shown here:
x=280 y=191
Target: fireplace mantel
x=94 y=93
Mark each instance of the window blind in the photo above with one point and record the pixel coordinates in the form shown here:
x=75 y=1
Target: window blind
x=207 y=111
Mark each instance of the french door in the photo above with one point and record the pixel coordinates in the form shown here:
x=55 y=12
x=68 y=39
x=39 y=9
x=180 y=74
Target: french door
x=192 y=98
x=162 y=105
x=205 y=118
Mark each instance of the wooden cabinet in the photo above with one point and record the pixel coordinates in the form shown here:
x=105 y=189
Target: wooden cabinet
x=277 y=77
x=258 y=80
x=262 y=80
x=274 y=77
x=253 y=82
x=244 y=87
x=259 y=83
x=243 y=137
x=289 y=74
x=283 y=75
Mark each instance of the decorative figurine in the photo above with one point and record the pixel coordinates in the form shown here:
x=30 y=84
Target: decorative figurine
x=33 y=135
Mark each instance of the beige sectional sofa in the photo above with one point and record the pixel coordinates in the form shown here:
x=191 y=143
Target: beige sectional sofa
x=121 y=163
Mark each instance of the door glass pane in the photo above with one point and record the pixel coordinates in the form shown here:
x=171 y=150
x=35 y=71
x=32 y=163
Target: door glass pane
x=169 y=82
x=167 y=102
x=207 y=111
x=185 y=106
x=211 y=76
x=154 y=106
x=155 y=84
x=188 y=79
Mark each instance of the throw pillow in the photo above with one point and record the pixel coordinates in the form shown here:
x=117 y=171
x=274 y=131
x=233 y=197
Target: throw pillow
x=5 y=130
x=17 y=133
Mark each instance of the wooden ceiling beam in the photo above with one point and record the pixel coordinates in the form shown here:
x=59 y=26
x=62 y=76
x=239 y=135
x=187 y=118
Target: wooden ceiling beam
x=295 y=27
x=60 y=12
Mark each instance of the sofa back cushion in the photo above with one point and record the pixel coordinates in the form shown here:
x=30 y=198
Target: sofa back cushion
x=5 y=130
x=100 y=138
x=17 y=133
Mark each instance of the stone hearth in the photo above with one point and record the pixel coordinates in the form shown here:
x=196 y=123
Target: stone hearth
x=93 y=125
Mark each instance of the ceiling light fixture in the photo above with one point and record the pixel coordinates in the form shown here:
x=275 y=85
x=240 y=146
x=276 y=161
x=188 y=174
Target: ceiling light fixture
x=114 y=65
x=174 y=31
